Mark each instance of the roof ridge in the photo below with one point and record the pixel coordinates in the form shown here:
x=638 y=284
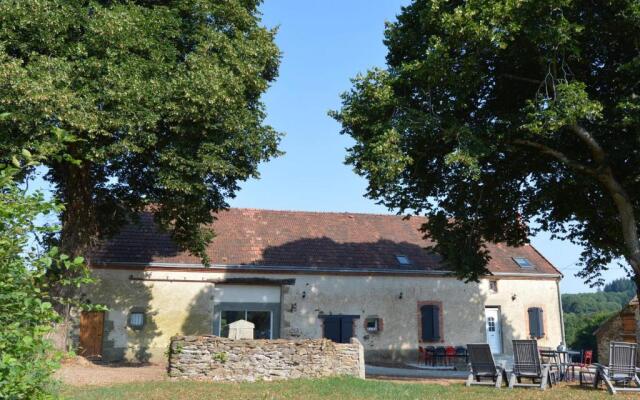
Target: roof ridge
x=270 y=210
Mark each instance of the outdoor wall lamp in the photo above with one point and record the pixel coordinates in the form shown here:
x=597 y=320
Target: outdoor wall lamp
x=304 y=294
x=400 y=296
x=514 y=297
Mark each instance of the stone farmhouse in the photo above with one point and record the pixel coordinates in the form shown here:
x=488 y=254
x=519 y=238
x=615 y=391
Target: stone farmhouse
x=299 y=275
x=621 y=327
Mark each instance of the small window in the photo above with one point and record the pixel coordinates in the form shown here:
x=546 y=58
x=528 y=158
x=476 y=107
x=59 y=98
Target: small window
x=372 y=324
x=430 y=324
x=523 y=262
x=493 y=286
x=136 y=320
x=403 y=260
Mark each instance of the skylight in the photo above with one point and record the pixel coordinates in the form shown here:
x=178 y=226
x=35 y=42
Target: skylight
x=403 y=260
x=523 y=262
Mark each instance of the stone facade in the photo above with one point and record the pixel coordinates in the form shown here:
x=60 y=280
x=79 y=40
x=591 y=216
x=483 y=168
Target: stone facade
x=619 y=328
x=184 y=303
x=221 y=359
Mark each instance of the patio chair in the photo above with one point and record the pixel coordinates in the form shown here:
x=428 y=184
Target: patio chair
x=621 y=370
x=449 y=355
x=483 y=366
x=430 y=355
x=461 y=354
x=440 y=355
x=526 y=364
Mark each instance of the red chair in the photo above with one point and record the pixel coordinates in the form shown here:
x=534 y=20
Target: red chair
x=587 y=358
x=450 y=354
x=422 y=355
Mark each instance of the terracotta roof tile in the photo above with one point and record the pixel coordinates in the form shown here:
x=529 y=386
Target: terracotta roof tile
x=304 y=240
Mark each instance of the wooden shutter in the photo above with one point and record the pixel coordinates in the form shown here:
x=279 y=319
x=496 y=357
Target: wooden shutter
x=430 y=315
x=332 y=329
x=536 y=322
x=346 y=330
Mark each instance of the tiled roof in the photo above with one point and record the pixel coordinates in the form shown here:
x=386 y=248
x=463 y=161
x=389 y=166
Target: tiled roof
x=304 y=240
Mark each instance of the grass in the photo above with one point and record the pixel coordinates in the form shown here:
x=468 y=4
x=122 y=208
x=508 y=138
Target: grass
x=315 y=389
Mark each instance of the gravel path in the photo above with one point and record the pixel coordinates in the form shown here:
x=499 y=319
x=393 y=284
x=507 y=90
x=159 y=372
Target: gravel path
x=80 y=372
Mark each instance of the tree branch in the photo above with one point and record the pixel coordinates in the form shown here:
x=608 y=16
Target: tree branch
x=599 y=155
x=522 y=79
x=560 y=156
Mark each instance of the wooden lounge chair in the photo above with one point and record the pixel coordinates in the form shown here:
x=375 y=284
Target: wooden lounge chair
x=621 y=371
x=526 y=364
x=483 y=366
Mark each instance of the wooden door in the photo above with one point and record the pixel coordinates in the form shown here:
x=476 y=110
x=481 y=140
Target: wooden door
x=91 y=331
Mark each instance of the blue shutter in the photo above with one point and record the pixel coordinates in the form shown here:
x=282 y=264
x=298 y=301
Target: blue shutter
x=346 y=330
x=430 y=315
x=332 y=329
x=540 y=323
x=435 y=314
x=536 y=322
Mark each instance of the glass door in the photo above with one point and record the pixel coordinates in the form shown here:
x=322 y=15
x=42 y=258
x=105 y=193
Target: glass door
x=262 y=320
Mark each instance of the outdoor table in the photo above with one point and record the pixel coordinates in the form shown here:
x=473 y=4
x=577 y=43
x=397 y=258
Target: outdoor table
x=561 y=359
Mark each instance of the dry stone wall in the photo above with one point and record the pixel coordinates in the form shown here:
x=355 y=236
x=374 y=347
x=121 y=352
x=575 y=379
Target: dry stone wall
x=221 y=359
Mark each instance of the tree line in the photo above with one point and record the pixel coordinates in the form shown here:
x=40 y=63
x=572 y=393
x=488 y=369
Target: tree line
x=585 y=312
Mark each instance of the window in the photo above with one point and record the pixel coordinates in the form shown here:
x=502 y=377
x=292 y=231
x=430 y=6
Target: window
x=403 y=260
x=491 y=324
x=536 y=322
x=136 y=320
x=523 y=262
x=261 y=320
x=493 y=286
x=430 y=323
x=373 y=324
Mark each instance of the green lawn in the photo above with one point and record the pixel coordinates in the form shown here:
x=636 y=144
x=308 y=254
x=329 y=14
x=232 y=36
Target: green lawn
x=334 y=389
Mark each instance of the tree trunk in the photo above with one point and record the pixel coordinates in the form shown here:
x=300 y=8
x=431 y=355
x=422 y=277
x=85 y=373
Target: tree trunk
x=79 y=226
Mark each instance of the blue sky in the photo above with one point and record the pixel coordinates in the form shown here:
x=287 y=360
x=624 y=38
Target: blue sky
x=324 y=44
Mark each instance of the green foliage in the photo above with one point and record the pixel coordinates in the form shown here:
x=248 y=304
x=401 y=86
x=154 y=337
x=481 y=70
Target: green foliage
x=590 y=303
x=25 y=317
x=138 y=103
x=584 y=312
x=26 y=311
x=621 y=285
x=579 y=329
x=221 y=357
x=498 y=119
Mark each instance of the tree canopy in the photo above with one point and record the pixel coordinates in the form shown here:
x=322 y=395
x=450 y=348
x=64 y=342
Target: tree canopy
x=498 y=119
x=140 y=103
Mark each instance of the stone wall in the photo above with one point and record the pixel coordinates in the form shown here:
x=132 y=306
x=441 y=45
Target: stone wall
x=619 y=328
x=221 y=359
x=610 y=331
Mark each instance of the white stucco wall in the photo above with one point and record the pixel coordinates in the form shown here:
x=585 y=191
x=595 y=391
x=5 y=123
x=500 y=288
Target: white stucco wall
x=182 y=306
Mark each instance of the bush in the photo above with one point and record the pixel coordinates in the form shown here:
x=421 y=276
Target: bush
x=27 y=358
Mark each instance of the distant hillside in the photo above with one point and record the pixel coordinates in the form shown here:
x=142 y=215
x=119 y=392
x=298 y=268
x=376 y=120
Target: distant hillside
x=584 y=312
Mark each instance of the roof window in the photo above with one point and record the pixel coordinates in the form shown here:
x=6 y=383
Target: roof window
x=523 y=262
x=403 y=260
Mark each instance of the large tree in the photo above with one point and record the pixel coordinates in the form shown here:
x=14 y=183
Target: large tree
x=140 y=104
x=500 y=118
